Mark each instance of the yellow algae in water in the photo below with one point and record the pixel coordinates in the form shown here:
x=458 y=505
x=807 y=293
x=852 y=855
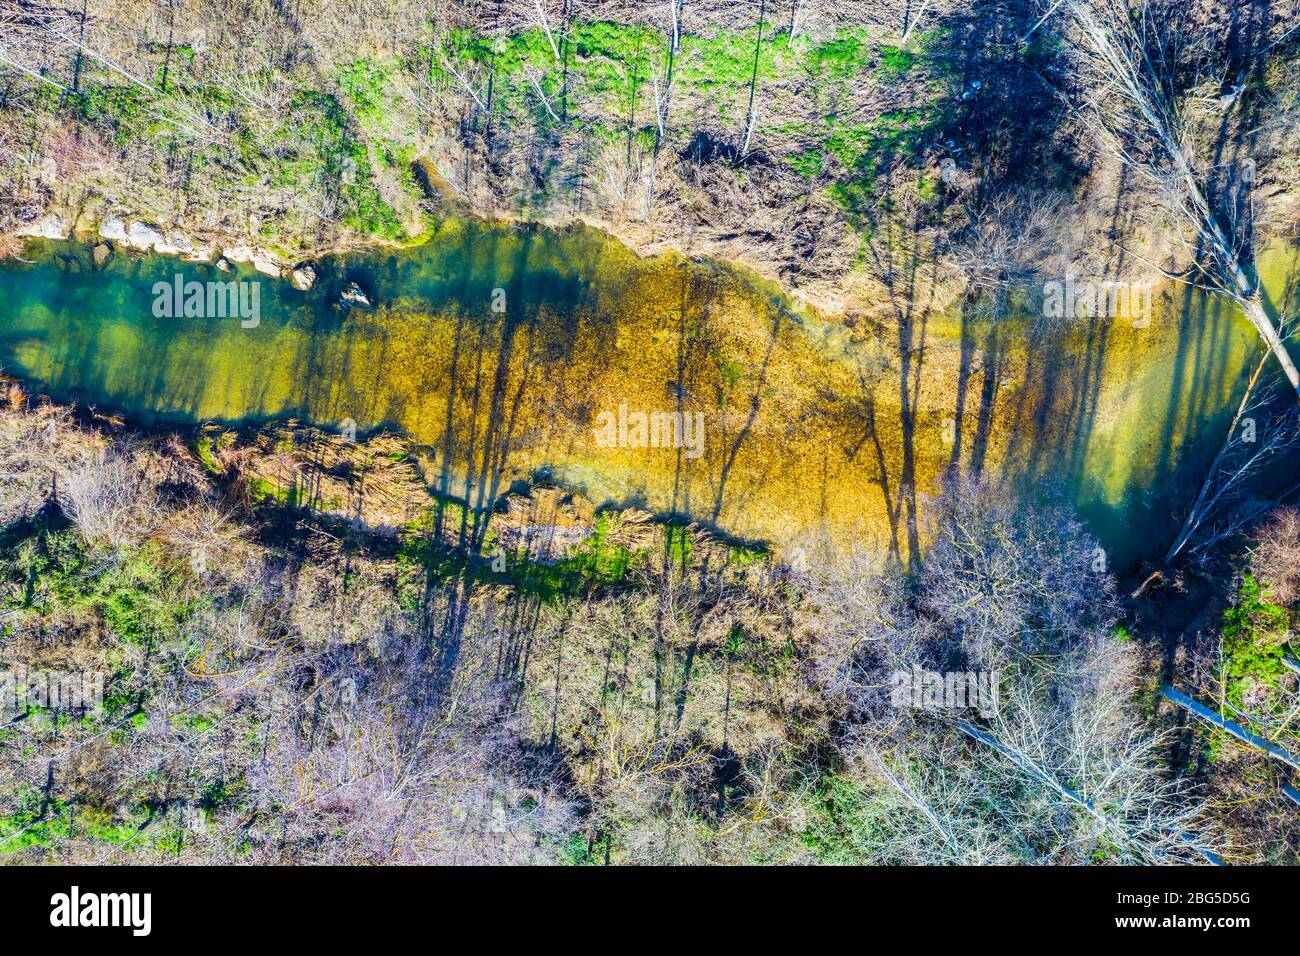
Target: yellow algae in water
x=500 y=349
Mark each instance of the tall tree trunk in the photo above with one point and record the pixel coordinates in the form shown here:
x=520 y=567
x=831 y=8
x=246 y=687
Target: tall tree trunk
x=753 y=79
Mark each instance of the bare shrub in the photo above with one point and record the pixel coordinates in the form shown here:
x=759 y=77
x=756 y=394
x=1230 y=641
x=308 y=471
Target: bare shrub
x=34 y=445
x=1012 y=238
x=375 y=771
x=109 y=499
x=203 y=534
x=1277 y=555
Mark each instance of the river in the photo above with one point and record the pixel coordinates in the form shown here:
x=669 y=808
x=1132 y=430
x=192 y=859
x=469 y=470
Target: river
x=501 y=349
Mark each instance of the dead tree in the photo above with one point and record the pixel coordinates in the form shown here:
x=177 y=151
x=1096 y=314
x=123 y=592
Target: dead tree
x=1246 y=450
x=1140 y=122
x=1227 y=726
x=752 y=112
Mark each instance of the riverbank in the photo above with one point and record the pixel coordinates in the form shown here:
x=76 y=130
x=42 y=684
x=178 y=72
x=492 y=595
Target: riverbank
x=789 y=146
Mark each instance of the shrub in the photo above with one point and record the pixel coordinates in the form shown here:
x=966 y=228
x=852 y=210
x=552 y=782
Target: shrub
x=1277 y=556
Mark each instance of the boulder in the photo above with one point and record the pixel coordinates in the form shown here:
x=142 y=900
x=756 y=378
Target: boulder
x=143 y=236
x=239 y=253
x=47 y=227
x=100 y=254
x=267 y=264
x=223 y=264
x=303 y=277
x=175 y=244
x=113 y=229
x=353 y=297
x=263 y=260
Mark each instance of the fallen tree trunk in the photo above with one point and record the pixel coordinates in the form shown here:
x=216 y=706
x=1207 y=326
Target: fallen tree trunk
x=1236 y=730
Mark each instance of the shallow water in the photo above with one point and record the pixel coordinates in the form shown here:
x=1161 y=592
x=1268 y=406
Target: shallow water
x=808 y=426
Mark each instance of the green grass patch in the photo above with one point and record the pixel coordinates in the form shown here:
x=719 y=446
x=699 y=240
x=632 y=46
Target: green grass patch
x=1255 y=634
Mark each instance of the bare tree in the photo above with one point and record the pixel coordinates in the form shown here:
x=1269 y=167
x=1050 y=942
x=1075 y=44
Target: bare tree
x=1135 y=111
x=751 y=114
x=1060 y=769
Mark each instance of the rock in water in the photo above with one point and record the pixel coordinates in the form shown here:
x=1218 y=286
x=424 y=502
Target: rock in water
x=353 y=297
x=100 y=254
x=303 y=277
